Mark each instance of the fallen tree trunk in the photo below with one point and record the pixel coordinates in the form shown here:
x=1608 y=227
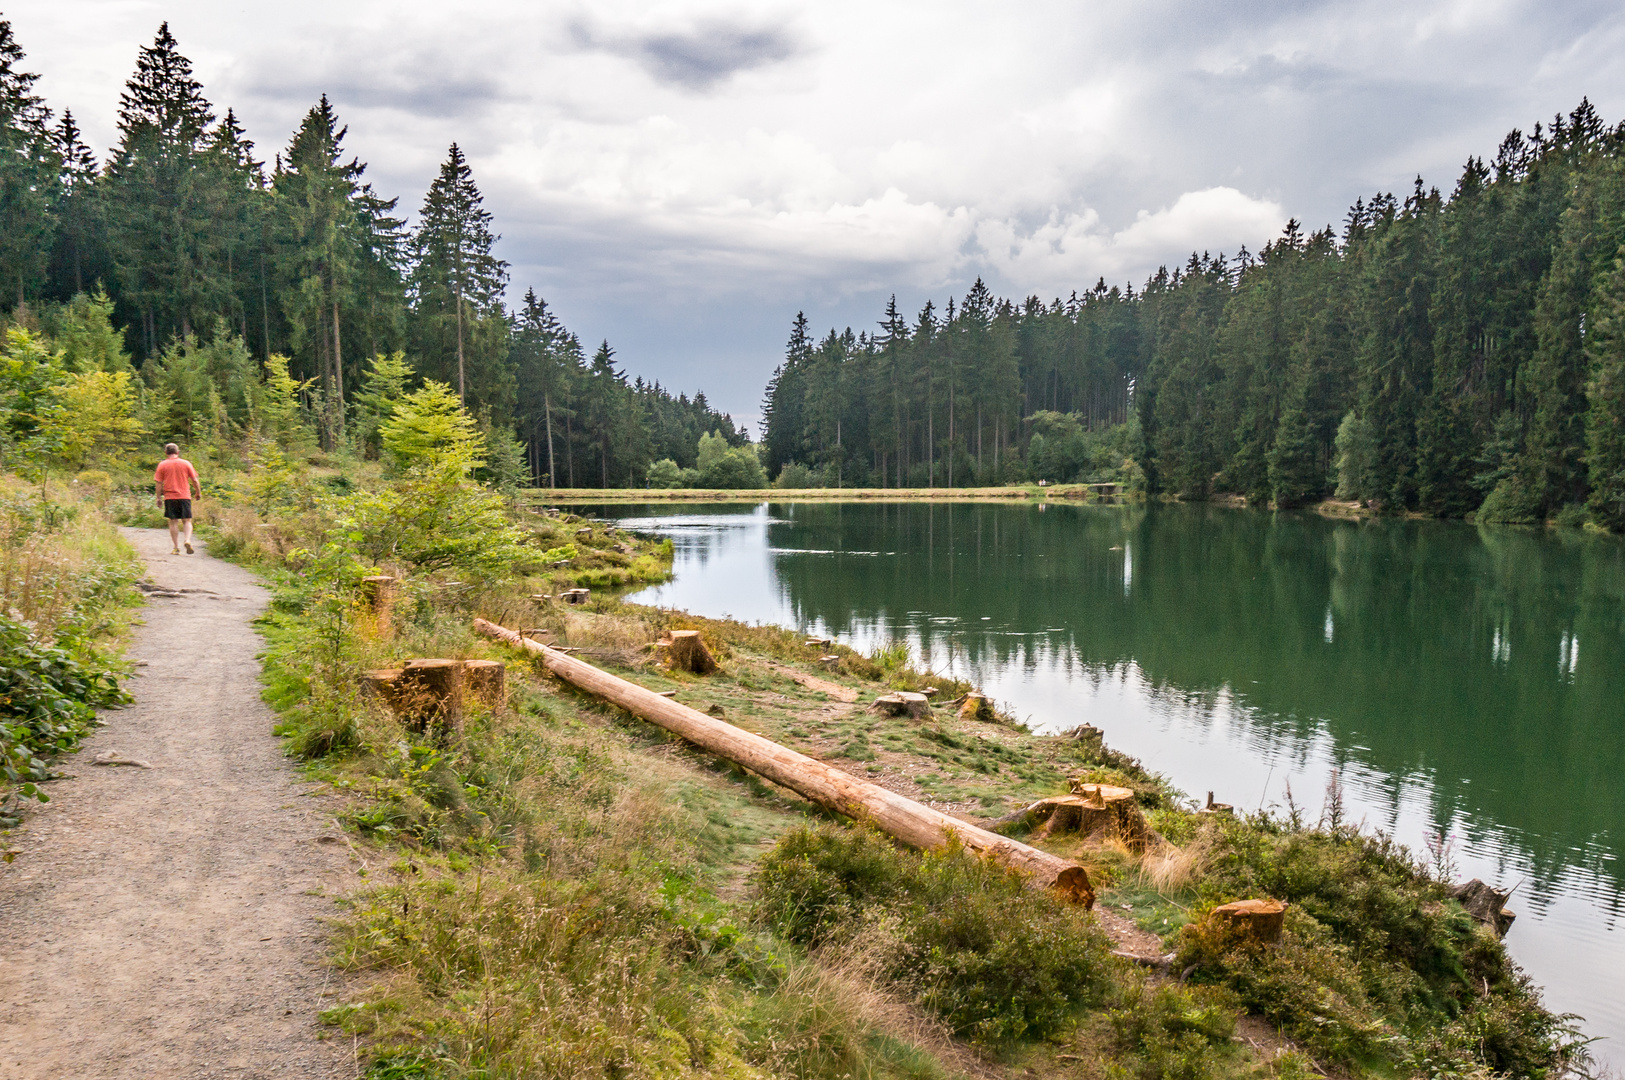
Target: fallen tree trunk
x=913 y=823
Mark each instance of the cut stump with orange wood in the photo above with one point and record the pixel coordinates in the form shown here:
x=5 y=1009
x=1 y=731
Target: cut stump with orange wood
x=1258 y=920
x=486 y=683
x=685 y=651
x=377 y=615
x=1098 y=811
x=439 y=692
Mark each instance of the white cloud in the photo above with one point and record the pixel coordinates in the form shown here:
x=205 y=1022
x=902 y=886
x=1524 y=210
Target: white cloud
x=682 y=176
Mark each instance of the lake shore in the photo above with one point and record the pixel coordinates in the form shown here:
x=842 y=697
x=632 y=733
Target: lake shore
x=572 y=836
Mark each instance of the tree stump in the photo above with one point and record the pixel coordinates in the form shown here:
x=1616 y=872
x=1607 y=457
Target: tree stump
x=1257 y=920
x=976 y=706
x=1216 y=807
x=686 y=651
x=902 y=703
x=431 y=692
x=830 y=662
x=1094 y=810
x=381 y=684
x=378 y=606
x=1486 y=904
x=485 y=683
x=576 y=596
x=819 y=643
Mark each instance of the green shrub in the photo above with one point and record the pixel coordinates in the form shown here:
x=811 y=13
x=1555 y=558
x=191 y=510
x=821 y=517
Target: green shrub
x=796 y=475
x=48 y=701
x=997 y=961
x=1376 y=965
x=1173 y=1032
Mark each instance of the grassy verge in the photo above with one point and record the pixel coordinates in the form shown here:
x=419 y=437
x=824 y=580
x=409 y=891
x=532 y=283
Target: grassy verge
x=65 y=606
x=556 y=888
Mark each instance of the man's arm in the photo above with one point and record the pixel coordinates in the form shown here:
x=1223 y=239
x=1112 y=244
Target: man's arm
x=197 y=483
x=158 y=490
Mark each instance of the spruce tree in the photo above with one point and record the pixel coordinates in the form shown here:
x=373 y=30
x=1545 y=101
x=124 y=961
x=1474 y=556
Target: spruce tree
x=159 y=196
x=457 y=284
x=28 y=174
x=546 y=359
x=78 y=254
x=331 y=232
x=1605 y=394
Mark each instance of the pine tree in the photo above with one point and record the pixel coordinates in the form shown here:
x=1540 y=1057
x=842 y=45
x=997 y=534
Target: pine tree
x=784 y=404
x=457 y=284
x=1605 y=394
x=159 y=196
x=28 y=169
x=78 y=255
x=331 y=228
x=546 y=359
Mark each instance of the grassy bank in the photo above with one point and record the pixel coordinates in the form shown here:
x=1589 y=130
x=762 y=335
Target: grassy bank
x=556 y=888
x=66 y=604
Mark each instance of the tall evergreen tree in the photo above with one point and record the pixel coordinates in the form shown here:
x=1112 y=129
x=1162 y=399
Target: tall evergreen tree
x=29 y=163
x=330 y=225
x=457 y=285
x=159 y=197
x=78 y=256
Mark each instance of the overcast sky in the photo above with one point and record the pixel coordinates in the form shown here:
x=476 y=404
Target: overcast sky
x=682 y=178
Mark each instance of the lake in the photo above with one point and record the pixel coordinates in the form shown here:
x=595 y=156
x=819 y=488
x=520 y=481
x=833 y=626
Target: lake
x=1462 y=682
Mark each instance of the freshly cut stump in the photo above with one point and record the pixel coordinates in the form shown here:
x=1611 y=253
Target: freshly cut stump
x=686 y=651
x=378 y=606
x=903 y=703
x=381 y=684
x=431 y=692
x=485 y=683
x=1093 y=810
x=829 y=663
x=576 y=596
x=1259 y=920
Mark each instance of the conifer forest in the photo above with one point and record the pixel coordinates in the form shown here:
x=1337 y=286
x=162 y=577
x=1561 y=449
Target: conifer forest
x=1441 y=353
x=220 y=268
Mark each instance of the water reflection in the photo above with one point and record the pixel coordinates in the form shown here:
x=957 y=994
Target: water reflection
x=1460 y=680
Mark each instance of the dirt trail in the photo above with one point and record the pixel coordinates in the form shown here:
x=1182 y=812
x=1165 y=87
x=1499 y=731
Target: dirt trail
x=165 y=922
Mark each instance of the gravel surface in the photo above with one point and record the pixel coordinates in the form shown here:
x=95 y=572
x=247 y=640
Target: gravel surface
x=167 y=921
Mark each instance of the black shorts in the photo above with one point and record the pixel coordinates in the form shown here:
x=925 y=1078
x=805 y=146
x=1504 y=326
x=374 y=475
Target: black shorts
x=178 y=509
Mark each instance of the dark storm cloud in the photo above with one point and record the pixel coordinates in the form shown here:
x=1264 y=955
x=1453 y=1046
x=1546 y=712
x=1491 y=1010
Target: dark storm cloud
x=696 y=58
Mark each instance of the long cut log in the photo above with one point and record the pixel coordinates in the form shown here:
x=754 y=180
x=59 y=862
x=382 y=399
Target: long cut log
x=913 y=823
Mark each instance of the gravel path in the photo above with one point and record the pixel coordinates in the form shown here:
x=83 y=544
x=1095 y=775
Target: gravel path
x=166 y=922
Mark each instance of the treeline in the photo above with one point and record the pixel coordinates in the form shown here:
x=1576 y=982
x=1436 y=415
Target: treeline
x=198 y=249
x=1445 y=355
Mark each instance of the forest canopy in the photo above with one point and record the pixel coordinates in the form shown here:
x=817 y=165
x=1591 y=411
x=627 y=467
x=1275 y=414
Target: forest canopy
x=1444 y=354
x=184 y=258
x=1440 y=354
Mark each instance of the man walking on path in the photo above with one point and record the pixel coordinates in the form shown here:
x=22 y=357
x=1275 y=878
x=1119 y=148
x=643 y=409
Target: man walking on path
x=174 y=480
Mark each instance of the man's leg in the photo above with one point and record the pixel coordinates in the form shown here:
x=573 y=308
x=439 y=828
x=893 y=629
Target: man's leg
x=186 y=531
x=174 y=534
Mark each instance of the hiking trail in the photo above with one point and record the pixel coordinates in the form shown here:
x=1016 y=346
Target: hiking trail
x=166 y=921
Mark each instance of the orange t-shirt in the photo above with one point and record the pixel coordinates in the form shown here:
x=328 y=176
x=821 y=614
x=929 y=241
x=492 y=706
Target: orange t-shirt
x=174 y=474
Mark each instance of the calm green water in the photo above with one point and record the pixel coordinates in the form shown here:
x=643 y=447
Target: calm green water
x=1469 y=681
